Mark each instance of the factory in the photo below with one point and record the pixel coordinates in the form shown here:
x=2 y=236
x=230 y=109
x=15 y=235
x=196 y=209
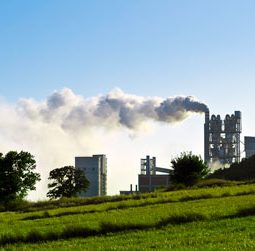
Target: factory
x=222 y=138
x=149 y=179
x=95 y=169
x=222 y=141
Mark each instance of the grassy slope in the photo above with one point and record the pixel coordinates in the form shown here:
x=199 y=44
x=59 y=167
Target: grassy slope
x=202 y=219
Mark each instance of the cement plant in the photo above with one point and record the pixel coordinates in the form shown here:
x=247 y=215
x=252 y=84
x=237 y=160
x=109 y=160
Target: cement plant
x=222 y=145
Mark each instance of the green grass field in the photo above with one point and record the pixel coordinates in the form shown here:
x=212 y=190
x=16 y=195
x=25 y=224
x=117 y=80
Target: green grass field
x=220 y=218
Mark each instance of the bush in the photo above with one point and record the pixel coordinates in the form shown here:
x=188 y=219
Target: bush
x=13 y=205
x=188 y=169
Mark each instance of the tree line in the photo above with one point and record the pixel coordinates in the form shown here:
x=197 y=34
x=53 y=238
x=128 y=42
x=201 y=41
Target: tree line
x=245 y=170
x=18 y=176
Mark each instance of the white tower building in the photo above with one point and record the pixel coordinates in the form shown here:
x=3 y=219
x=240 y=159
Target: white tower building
x=95 y=169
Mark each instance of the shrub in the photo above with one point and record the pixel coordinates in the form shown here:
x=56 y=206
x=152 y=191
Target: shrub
x=188 y=169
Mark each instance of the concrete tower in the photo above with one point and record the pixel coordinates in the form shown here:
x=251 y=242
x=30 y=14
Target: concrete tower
x=95 y=169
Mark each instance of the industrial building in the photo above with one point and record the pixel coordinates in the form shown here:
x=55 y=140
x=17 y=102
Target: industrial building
x=249 y=146
x=222 y=138
x=149 y=179
x=131 y=191
x=95 y=169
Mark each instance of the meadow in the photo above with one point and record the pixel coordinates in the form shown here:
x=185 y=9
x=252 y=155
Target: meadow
x=214 y=218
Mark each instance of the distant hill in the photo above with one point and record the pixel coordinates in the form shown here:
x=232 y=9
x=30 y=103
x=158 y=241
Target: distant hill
x=245 y=170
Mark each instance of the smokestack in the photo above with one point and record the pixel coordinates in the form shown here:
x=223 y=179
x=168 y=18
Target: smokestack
x=148 y=166
x=154 y=165
x=207 y=116
x=206 y=135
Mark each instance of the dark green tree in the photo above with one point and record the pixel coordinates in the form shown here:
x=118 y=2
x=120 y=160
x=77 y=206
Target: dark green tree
x=17 y=175
x=188 y=169
x=67 y=181
x=245 y=170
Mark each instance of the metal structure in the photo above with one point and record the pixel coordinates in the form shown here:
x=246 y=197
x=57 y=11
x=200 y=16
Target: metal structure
x=249 y=146
x=131 y=191
x=149 y=179
x=95 y=169
x=222 y=138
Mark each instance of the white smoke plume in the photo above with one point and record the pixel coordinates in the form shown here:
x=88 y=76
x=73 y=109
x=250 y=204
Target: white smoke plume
x=67 y=125
x=71 y=112
x=216 y=165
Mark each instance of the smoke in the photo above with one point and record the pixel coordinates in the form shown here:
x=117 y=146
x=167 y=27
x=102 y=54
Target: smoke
x=216 y=165
x=67 y=125
x=116 y=109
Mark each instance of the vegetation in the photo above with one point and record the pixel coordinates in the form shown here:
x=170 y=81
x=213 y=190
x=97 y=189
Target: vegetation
x=213 y=214
x=212 y=218
x=245 y=170
x=17 y=175
x=67 y=181
x=188 y=169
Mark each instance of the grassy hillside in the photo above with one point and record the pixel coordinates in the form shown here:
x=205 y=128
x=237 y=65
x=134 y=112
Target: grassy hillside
x=196 y=219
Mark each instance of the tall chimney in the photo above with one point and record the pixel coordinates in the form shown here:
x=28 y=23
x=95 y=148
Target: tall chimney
x=148 y=165
x=206 y=136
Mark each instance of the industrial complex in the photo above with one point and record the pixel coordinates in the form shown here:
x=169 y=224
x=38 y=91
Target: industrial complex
x=149 y=179
x=222 y=144
x=222 y=138
x=222 y=141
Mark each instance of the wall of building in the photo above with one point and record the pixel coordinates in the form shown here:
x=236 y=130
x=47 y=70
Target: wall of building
x=249 y=146
x=95 y=169
x=148 y=183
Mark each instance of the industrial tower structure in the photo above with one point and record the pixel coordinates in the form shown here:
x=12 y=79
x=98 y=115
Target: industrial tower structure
x=222 y=138
x=149 y=179
x=95 y=169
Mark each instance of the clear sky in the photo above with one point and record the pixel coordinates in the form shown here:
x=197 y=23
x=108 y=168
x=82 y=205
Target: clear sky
x=145 y=47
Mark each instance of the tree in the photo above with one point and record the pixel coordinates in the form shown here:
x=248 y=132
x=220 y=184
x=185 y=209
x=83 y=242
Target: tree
x=67 y=181
x=245 y=170
x=188 y=169
x=16 y=175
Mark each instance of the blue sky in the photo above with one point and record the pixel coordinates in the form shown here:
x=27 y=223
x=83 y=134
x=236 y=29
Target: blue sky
x=145 y=47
